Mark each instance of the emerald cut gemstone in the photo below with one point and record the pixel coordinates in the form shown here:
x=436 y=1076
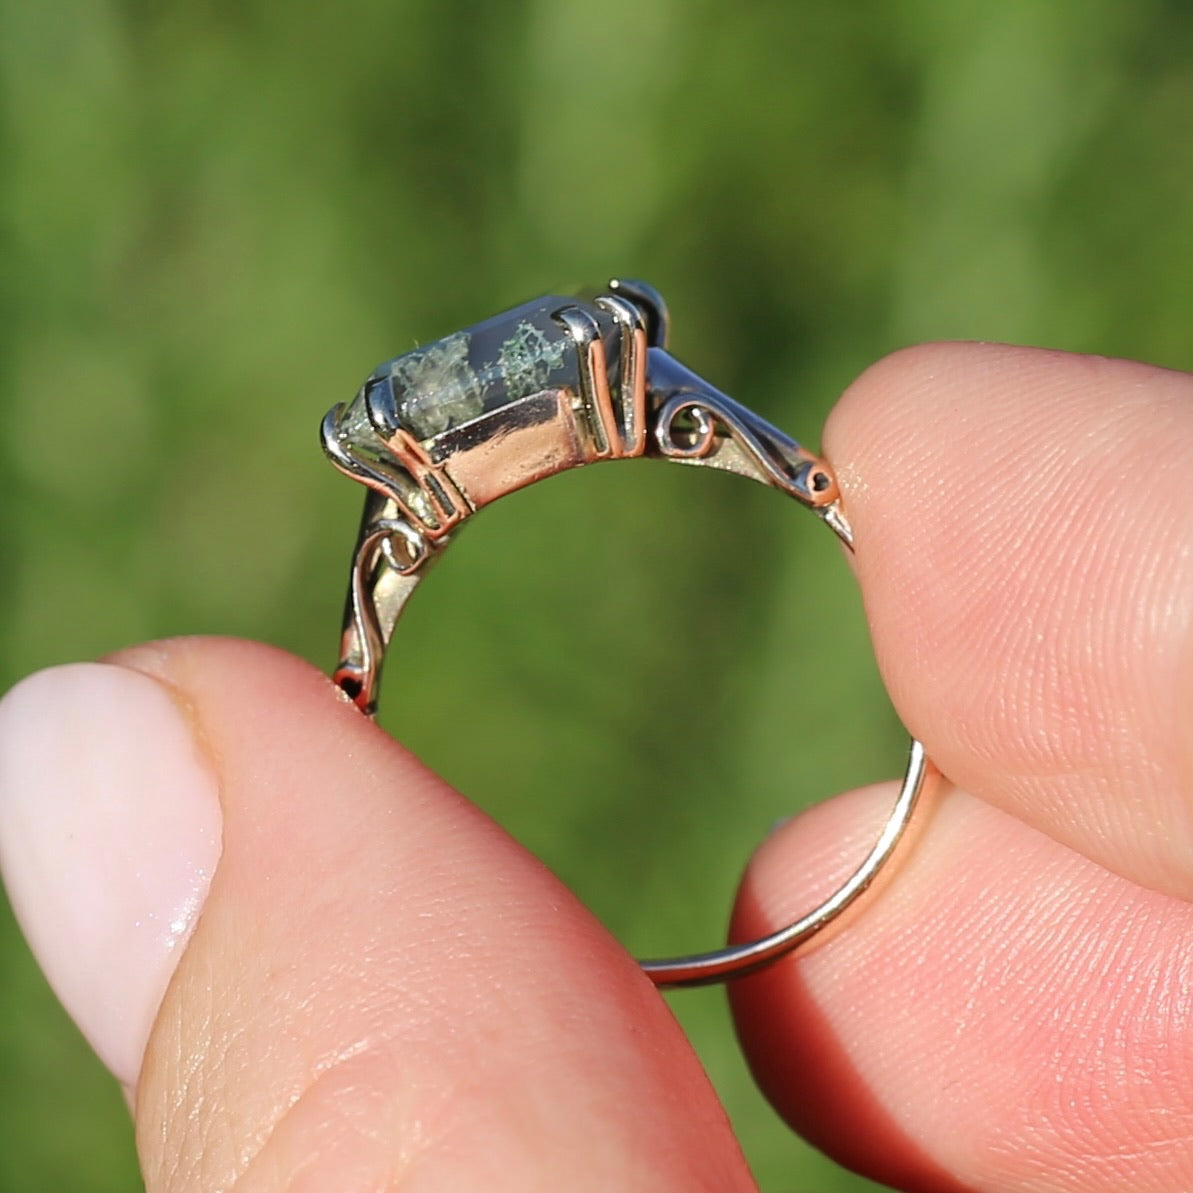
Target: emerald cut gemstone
x=470 y=373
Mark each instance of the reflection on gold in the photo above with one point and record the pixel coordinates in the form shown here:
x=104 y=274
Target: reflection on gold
x=513 y=447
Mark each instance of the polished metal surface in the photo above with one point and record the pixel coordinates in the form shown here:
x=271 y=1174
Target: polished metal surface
x=552 y=385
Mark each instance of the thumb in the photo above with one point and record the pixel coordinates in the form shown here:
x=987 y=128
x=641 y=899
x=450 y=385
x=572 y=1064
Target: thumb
x=315 y=965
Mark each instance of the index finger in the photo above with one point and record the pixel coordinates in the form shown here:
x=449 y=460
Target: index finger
x=1024 y=530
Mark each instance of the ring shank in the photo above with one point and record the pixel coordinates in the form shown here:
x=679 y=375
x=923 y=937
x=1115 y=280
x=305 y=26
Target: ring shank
x=737 y=961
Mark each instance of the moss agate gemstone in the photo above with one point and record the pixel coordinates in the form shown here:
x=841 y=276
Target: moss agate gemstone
x=514 y=355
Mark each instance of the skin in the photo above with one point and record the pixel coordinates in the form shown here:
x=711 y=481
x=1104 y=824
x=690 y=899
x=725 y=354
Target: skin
x=1015 y=1011
x=384 y=992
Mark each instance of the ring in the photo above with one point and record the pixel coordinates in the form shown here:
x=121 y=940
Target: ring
x=550 y=385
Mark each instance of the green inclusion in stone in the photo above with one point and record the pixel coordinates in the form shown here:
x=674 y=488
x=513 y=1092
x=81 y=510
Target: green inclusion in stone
x=511 y=356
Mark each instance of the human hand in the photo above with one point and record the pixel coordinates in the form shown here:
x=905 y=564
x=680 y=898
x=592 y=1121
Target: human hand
x=384 y=991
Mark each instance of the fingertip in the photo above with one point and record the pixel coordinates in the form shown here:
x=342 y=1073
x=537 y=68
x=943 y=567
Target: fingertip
x=1001 y=1012
x=377 y=956
x=1022 y=528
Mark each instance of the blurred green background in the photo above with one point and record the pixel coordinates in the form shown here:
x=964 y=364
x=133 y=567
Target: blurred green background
x=216 y=217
